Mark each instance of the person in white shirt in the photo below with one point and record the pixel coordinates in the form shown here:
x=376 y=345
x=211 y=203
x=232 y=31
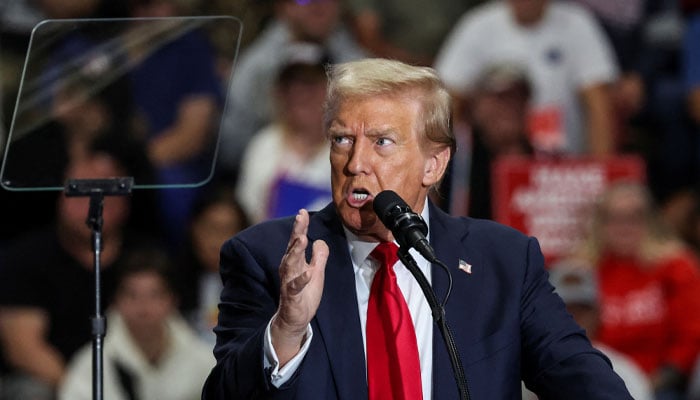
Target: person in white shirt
x=285 y=166
x=567 y=57
x=250 y=93
x=150 y=353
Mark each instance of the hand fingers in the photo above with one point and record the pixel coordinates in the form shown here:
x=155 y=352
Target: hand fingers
x=297 y=272
x=316 y=268
x=294 y=259
x=298 y=284
x=300 y=228
x=319 y=256
x=302 y=282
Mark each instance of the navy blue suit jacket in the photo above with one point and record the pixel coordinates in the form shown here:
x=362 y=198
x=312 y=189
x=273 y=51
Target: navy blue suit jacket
x=507 y=322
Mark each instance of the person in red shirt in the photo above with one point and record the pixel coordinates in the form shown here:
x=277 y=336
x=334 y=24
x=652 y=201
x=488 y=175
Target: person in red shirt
x=649 y=287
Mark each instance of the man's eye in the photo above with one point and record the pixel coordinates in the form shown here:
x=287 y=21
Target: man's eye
x=384 y=141
x=341 y=140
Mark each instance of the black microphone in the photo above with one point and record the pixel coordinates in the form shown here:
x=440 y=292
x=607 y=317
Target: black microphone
x=408 y=228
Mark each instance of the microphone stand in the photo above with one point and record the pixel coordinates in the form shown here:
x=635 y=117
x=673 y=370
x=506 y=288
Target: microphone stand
x=97 y=189
x=438 y=312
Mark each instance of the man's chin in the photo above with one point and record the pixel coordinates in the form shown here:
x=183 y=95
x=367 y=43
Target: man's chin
x=364 y=224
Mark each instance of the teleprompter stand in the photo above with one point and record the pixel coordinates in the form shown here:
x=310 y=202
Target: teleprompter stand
x=97 y=189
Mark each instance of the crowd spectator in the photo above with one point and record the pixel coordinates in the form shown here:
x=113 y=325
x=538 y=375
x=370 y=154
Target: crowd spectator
x=178 y=96
x=285 y=166
x=47 y=285
x=567 y=57
x=576 y=283
x=499 y=129
x=681 y=215
x=250 y=102
x=648 y=95
x=671 y=145
x=17 y=20
x=648 y=283
x=149 y=351
x=88 y=108
x=380 y=26
x=253 y=16
x=623 y=23
x=215 y=218
x=82 y=107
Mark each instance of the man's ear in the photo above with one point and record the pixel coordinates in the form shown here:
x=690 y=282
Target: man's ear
x=435 y=166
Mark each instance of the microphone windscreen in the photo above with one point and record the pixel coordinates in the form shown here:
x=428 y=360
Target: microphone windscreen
x=384 y=202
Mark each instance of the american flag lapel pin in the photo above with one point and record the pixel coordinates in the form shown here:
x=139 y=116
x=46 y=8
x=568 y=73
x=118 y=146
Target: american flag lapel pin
x=465 y=266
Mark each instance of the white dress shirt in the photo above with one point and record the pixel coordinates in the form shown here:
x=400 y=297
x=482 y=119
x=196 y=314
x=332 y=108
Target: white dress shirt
x=364 y=269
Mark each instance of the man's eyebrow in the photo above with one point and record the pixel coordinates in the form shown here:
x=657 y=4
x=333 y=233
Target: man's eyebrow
x=376 y=132
x=338 y=130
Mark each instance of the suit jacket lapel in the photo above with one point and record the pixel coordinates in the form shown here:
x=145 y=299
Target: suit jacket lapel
x=337 y=319
x=448 y=237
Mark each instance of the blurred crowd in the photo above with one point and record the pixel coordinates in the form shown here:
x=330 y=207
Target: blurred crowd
x=535 y=79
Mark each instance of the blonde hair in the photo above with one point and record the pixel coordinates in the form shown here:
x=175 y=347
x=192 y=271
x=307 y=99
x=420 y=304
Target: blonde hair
x=381 y=77
x=657 y=242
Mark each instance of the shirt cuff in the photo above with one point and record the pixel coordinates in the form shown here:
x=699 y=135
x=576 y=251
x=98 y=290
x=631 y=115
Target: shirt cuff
x=279 y=376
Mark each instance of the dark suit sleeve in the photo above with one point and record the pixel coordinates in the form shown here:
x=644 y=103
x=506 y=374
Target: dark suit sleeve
x=557 y=358
x=248 y=301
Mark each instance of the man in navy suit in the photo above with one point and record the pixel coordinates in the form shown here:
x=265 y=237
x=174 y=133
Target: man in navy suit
x=294 y=304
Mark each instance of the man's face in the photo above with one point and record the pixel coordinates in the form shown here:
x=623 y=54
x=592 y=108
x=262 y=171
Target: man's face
x=624 y=222
x=501 y=117
x=73 y=210
x=375 y=146
x=145 y=303
x=211 y=229
x=301 y=101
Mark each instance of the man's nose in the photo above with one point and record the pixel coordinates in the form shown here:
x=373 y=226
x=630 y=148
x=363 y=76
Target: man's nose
x=359 y=163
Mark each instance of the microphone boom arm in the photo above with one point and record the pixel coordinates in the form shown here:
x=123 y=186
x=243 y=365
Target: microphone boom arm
x=438 y=312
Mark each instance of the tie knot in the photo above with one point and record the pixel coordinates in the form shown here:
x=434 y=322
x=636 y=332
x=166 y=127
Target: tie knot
x=386 y=253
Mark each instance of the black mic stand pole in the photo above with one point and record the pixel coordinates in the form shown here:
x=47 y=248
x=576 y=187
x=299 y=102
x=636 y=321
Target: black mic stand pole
x=438 y=312
x=97 y=189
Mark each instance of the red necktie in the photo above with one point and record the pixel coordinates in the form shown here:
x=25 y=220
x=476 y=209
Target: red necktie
x=393 y=367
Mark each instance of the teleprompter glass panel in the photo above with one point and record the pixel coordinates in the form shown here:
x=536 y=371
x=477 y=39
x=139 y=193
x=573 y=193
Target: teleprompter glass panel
x=120 y=85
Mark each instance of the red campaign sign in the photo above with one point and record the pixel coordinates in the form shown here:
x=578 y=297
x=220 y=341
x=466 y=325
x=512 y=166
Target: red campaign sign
x=551 y=199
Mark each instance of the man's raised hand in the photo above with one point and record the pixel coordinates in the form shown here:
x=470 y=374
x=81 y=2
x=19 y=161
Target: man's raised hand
x=300 y=290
